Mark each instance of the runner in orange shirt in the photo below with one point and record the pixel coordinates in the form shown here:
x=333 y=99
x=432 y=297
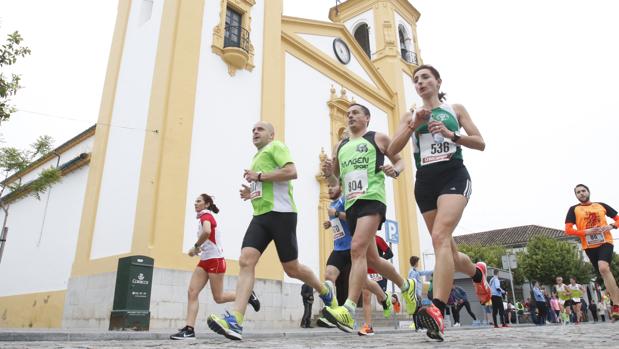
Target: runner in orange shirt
x=597 y=241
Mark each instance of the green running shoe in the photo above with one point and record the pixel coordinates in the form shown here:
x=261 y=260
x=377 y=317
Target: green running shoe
x=410 y=297
x=340 y=317
x=387 y=311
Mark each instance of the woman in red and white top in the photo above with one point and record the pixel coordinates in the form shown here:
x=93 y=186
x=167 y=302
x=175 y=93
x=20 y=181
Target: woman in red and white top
x=212 y=266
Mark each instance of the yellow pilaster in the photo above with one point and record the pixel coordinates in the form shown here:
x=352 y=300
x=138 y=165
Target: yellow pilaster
x=82 y=263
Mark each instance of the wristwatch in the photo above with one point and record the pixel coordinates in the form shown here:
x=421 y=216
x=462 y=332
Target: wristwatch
x=259 y=176
x=456 y=137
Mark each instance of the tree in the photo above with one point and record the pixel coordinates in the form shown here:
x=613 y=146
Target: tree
x=9 y=52
x=491 y=255
x=13 y=162
x=546 y=258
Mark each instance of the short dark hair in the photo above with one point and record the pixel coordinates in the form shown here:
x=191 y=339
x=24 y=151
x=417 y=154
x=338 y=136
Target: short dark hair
x=365 y=109
x=495 y=272
x=581 y=185
x=414 y=260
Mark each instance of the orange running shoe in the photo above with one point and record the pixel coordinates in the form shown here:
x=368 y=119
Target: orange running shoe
x=614 y=313
x=482 y=289
x=366 y=330
x=431 y=318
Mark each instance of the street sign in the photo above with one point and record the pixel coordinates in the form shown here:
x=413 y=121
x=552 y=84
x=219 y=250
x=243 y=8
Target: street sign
x=392 y=233
x=511 y=263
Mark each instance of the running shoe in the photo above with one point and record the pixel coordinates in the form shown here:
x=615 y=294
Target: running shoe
x=340 y=317
x=254 y=301
x=482 y=289
x=505 y=325
x=387 y=311
x=431 y=318
x=457 y=324
x=329 y=298
x=614 y=313
x=410 y=297
x=323 y=322
x=366 y=330
x=184 y=333
x=227 y=327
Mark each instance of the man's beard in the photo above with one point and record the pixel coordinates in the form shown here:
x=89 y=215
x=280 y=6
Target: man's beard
x=585 y=199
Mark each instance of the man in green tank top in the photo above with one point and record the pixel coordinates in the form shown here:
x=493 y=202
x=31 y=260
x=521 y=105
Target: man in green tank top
x=358 y=164
x=274 y=219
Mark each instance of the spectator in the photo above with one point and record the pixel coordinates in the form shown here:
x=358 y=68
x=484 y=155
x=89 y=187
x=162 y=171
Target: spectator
x=555 y=307
x=460 y=300
x=540 y=303
x=417 y=275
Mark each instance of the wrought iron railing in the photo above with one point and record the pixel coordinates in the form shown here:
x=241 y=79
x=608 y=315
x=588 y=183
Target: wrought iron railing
x=409 y=56
x=237 y=36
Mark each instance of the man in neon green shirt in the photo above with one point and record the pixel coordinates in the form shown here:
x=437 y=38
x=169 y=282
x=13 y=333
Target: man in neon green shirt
x=274 y=219
x=358 y=163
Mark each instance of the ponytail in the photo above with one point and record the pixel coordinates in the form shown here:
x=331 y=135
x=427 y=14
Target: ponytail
x=211 y=205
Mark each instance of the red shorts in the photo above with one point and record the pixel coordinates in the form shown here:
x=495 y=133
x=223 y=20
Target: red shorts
x=213 y=265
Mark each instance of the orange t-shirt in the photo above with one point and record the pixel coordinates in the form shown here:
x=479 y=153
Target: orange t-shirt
x=589 y=216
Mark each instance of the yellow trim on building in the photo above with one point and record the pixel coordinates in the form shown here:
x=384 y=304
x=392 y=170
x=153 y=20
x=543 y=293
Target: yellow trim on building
x=82 y=264
x=32 y=310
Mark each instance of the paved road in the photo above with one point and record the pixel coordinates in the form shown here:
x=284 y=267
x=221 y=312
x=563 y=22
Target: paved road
x=602 y=335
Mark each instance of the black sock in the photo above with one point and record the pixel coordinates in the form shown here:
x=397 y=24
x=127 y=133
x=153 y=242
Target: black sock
x=440 y=305
x=189 y=328
x=478 y=276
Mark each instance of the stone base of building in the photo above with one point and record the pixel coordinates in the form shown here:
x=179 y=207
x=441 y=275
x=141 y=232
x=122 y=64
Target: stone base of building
x=89 y=301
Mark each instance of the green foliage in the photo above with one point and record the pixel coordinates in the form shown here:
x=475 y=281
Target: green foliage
x=13 y=160
x=491 y=255
x=547 y=258
x=9 y=52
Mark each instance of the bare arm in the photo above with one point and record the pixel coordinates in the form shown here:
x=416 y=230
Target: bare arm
x=408 y=124
x=394 y=170
x=331 y=167
x=286 y=173
x=206 y=233
x=473 y=138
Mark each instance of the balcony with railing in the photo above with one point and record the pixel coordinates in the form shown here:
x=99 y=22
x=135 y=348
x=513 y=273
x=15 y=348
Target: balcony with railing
x=409 y=56
x=236 y=46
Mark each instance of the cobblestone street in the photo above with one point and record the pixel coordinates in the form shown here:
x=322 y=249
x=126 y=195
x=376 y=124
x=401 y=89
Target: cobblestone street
x=604 y=335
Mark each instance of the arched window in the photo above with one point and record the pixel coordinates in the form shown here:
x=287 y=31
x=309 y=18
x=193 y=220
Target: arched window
x=407 y=48
x=362 y=36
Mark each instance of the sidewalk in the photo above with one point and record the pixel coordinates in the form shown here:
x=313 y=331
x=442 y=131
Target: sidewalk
x=79 y=335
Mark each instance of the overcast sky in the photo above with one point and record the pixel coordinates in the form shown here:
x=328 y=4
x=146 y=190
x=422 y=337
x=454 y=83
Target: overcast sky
x=538 y=78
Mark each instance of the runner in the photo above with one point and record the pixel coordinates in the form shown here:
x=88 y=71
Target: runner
x=212 y=267
x=358 y=163
x=377 y=284
x=274 y=219
x=576 y=292
x=564 y=297
x=339 y=259
x=595 y=236
x=443 y=186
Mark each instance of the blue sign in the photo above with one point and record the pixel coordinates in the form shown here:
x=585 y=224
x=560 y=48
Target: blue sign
x=392 y=233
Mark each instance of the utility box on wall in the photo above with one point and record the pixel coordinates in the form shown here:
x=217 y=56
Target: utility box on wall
x=131 y=309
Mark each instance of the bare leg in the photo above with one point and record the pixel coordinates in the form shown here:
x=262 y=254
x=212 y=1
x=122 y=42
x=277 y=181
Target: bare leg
x=362 y=238
x=448 y=214
x=247 y=274
x=383 y=267
x=299 y=271
x=199 y=278
x=217 y=288
x=375 y=288
x=609 y=281
x=331 y=273
x=367 y=307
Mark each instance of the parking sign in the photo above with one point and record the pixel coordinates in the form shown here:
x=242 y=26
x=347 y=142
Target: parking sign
x=392 y=233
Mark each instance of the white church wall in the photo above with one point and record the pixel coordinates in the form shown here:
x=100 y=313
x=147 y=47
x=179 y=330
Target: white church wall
x=221 y=142
x=42 y=237
x=113 y=230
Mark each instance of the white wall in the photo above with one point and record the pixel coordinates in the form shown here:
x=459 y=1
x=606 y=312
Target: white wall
x=221 y=145
x=325 y=44
x=42 y=237
x=307 y=131
x=367 y=18
x=113 y=230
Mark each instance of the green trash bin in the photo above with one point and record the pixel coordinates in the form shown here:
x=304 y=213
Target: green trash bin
x=131 y=309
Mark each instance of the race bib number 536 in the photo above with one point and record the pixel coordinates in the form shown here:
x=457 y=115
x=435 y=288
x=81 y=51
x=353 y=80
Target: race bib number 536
x=432 y=152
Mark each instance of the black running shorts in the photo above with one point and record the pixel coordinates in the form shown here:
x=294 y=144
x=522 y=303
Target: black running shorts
x=454 y=180
x=604 y=252
x=339 y=259
x=281 y=227
x=362 y=208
